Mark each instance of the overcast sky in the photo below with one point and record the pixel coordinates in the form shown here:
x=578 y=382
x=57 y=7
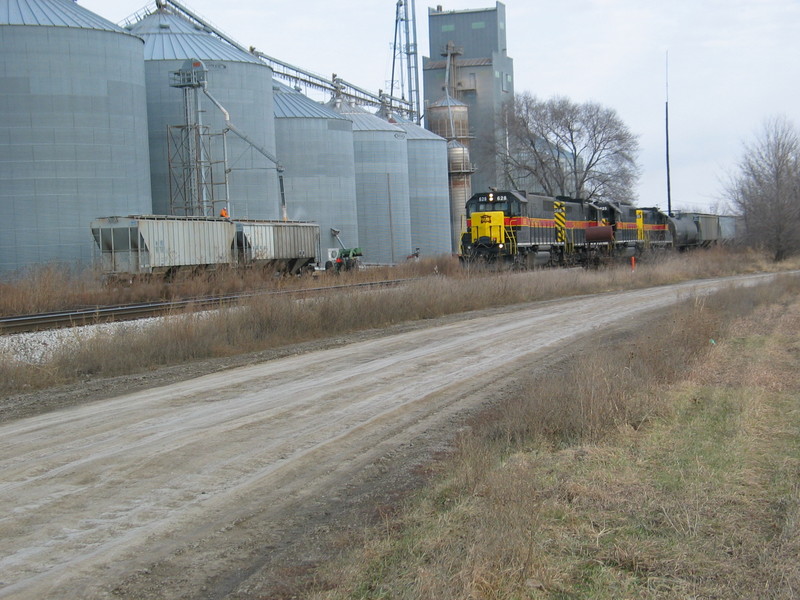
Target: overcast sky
x=732 y=65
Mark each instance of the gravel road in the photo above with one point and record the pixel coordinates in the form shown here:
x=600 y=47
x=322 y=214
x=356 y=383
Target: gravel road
x=203 y=488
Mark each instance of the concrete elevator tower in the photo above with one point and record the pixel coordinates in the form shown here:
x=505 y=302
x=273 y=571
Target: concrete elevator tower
x=468 y=47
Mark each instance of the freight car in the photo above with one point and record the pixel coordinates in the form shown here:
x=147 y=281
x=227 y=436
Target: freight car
x=530 y=230
x=155 y=245
x=701 y=230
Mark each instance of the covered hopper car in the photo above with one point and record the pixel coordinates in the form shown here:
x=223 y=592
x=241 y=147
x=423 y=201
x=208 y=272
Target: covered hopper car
x=166 y=245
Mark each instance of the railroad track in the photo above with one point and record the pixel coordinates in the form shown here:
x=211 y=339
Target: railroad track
x=129 y=312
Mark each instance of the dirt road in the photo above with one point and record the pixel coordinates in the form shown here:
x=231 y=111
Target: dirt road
x=192 y=490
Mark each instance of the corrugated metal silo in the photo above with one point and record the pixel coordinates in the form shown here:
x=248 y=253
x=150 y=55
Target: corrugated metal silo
x=316 y=149
x=429 y=195
x=381 y=155
x=460 y=169
x=73 y=123
x=239 y=81
x=449 y=118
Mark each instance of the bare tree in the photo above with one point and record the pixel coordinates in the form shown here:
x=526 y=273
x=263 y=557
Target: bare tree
x=568 y=149
x=766 y=189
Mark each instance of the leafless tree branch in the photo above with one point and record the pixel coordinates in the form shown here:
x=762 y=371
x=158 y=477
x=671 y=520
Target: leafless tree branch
x=568 y=149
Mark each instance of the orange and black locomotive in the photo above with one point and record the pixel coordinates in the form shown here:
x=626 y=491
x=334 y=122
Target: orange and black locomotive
x=530 y=230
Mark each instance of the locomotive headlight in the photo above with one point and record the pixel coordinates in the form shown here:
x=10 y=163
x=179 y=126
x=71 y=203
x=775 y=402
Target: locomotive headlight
x=499 y=245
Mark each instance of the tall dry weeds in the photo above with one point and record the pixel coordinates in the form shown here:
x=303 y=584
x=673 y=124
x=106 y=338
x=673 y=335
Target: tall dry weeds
x=50 y=288
x=436 y=287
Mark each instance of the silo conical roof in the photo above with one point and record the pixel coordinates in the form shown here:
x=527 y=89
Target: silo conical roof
x=362 y=119
x=290 y=104
x=447 y=101
x=168 y=36
x=413 y=131
x=52 y=13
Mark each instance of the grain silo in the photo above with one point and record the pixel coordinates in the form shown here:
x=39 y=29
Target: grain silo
x=381 y=157
x=429 y=197
x=460 y=170
x=315 y=144
x=241 y=83
x=449 y=118
x=73 y=130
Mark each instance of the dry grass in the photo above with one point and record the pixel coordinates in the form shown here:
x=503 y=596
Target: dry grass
x=55 y=288
x=672 y=475
x=441 y=288
x=51 y=288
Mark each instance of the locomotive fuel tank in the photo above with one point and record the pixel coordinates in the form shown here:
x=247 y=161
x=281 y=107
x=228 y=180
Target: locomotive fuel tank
x=602 y=233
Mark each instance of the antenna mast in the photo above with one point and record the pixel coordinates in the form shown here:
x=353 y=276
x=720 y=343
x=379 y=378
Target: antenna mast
x=406 y=16
x=412 y=61
x=669 y=191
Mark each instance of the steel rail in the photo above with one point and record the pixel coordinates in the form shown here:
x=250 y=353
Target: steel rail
x=128 y=312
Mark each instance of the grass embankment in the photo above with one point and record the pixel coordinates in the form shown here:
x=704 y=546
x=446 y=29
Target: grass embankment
x=665 y=466
x=258 y=324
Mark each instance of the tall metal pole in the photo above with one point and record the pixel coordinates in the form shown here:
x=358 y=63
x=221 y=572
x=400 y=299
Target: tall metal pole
x=412 y=61
x=669 y=191
x=397 y=19
x=202 y=161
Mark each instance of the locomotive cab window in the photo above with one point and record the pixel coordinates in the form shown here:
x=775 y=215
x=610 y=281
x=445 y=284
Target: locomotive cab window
x=508 y=204
x=482 y=205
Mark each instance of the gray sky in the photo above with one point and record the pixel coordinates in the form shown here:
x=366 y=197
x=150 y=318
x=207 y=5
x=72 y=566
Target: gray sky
x=732 y=65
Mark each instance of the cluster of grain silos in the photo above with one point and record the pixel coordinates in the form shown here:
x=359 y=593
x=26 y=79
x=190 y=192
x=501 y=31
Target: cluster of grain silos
x=86 y=111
